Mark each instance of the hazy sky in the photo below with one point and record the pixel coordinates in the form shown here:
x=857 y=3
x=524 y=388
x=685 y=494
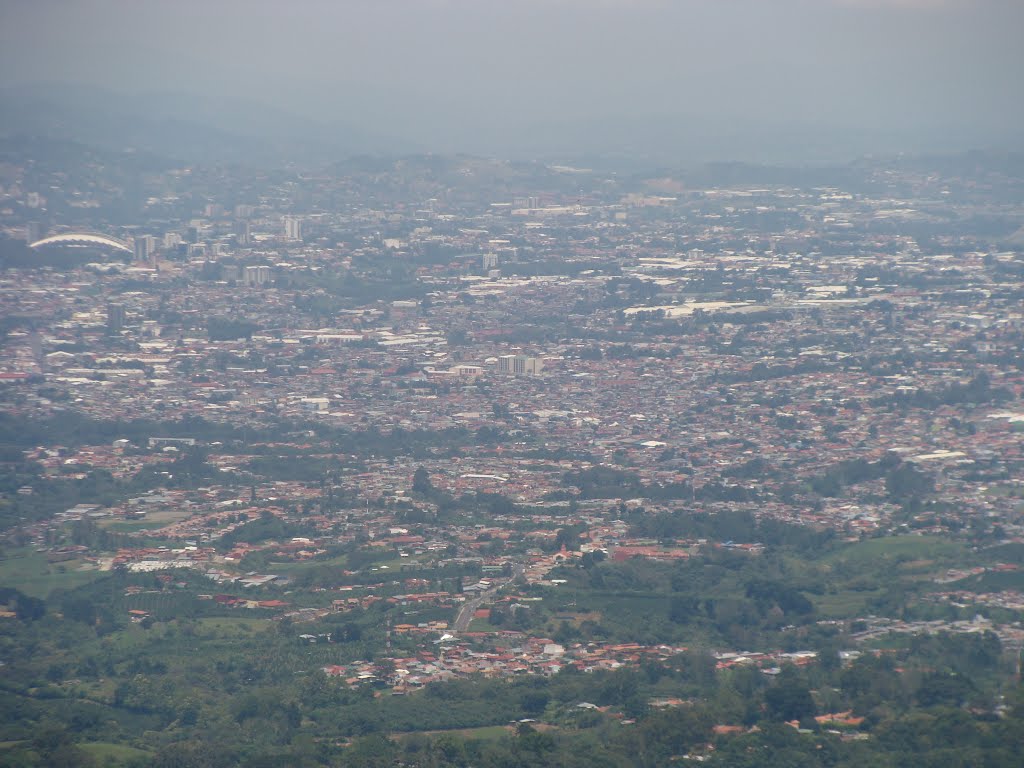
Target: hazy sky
x=459 y=69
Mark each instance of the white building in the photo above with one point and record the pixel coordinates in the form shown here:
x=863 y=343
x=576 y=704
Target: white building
x=292 y=228
x=520 y=365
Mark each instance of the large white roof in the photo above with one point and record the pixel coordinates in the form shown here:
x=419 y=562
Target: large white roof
x=82 y=239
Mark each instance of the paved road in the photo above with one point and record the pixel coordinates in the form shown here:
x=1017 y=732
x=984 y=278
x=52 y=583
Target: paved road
x=469 y=608
x=465 y=615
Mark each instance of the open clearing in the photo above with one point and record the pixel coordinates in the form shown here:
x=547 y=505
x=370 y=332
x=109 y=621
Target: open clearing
x=157 y=519
x=28 y=571
x=900 y=548
x=105 y=753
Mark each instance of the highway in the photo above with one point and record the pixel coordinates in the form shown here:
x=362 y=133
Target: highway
x=471 y=606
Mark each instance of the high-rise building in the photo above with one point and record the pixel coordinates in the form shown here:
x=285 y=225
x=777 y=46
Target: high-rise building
x=292 y=228
x=489 y=261
x=256 y=275
x=35 y=340
x=115 y=317
x=33 y=232
x=145 y=245
x=520 y=365
x=242 y=233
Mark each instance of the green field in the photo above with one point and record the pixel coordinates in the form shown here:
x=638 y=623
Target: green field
x=301 y=566
x=844 y=603
x=102 y=752
x=485 y=733
x=28 y=571
x=113 y=754
x=395 y=564
x=231 y=625
x=152 y=520
x=901 y=548
x=481 y=625
x=124 y=526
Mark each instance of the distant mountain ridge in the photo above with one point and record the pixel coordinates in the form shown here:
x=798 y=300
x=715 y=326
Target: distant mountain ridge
x=191 y=128
x=181 y=126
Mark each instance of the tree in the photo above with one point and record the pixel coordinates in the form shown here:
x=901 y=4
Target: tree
x=683 y=609
x=789 y=698
x=79 y=609
x=421 y=482
x=226 y=329
x=906 y=482
x=189 y=754
x=534 y=702
x=29 y=608
x=451 y=749
x=944 y=689
x=828 y=656
x=55 y=746
x=348 y=632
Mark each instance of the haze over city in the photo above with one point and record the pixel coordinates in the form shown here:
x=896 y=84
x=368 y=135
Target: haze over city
x=690 y=81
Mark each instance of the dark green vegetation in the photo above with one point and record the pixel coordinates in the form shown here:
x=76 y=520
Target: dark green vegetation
x=106 y=667
x=142 y=696
x=199 y=683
